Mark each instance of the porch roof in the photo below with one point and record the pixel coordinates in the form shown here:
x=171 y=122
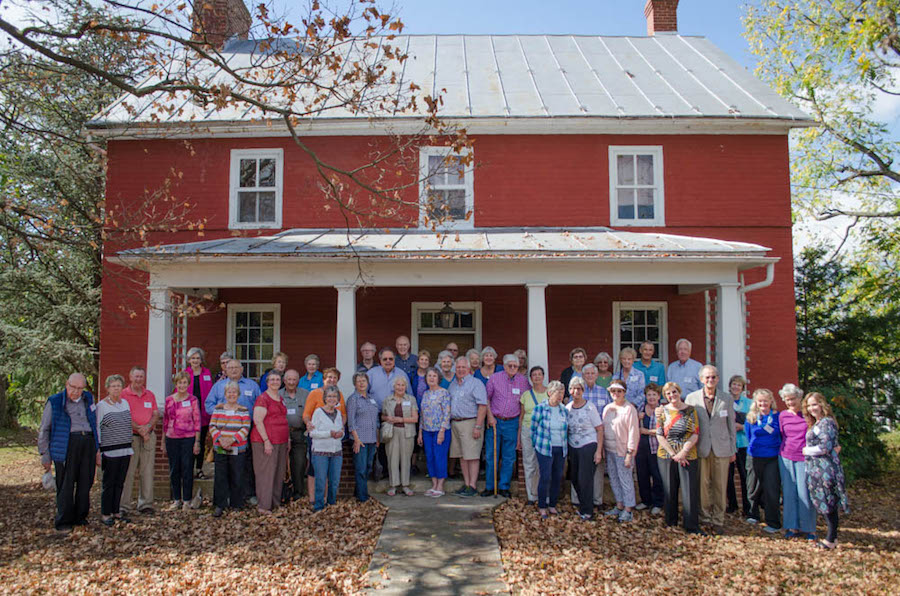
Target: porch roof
x=486 y=244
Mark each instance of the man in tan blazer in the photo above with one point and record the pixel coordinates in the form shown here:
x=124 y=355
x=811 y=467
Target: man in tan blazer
x=716 y=449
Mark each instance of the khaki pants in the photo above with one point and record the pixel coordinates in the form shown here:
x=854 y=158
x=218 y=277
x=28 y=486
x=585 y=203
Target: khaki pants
x=529 y=463
x=713 y=485
x=269 y=471
x=143 y=461
x=399 y=450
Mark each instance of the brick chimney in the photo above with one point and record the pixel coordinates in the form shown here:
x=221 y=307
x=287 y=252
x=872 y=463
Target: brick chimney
x=216 y=21
x=662 y=16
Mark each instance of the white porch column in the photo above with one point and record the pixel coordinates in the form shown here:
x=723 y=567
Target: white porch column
x=730 y=348
x=345 y=353
x=538 y=354
x=159 y=343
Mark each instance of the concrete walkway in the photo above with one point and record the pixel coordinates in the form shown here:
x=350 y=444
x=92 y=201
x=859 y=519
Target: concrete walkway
x=437 y=546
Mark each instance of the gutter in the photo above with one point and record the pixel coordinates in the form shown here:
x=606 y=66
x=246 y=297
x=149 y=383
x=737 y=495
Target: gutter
x=770 y=277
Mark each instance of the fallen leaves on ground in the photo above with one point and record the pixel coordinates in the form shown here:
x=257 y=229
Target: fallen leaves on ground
x=566 y=555
x=185 y=552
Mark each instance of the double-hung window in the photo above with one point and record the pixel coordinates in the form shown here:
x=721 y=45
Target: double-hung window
x=637 y=322
x=256 y=184
x=636 y=195
x=254 y=335
x=446 y=195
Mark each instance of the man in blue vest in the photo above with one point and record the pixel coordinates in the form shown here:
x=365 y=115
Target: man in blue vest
x=68 y=437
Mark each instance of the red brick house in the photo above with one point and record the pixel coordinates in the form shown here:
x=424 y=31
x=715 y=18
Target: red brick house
x=623 y=189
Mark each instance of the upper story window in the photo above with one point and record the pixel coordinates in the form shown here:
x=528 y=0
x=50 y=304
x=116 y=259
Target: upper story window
x=446 y=190
x=256 y=185
x=636 y=195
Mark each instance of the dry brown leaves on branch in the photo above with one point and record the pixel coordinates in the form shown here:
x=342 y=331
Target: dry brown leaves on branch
x=293 y=551
x=564 y=555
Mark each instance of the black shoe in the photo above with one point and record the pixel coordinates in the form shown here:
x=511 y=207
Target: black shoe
x=108 y=522
x=487 y=493
x=123 y=519
x=414 y=470
x=531 y=503
x=697 y=532
x=504 y=493
x=64 y=529
x=218 y=512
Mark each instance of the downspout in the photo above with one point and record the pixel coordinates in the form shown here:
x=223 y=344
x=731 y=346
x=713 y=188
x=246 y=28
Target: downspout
x=770 y=277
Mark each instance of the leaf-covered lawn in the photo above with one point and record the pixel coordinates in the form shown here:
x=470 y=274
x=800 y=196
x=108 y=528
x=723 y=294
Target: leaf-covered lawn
x=294 y=551
x=566 y=555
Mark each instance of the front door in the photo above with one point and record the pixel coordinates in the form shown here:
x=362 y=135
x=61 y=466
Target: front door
x=428 y=334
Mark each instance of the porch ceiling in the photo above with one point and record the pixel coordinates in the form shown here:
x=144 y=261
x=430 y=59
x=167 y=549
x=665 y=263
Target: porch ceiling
x=487 y=244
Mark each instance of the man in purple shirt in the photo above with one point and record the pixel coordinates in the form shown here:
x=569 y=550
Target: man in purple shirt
x=504 y=392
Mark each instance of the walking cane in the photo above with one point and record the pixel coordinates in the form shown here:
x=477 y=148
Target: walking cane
x=495 y=459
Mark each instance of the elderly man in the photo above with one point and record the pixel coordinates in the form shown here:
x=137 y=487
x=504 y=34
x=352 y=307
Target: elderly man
x=224 y=357
x=716 y=449
x=406 y=360
x=504 y=394
x=144 y=416
x=685 y=371
x=468 y=406
x=234 y=371
x=654 y=370
x=453 y=349
x=294 y=398
x=367 y=351
x=68 y=437
x=382 y=377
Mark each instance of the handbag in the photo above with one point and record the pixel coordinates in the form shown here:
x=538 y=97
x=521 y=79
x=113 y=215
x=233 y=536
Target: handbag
x=387 y=431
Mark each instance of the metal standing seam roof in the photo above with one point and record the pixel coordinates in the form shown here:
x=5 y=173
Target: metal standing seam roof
x=484 y=243
x=519 y=76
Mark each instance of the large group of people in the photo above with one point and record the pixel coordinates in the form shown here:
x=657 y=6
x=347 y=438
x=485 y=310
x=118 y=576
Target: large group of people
x=672 y=428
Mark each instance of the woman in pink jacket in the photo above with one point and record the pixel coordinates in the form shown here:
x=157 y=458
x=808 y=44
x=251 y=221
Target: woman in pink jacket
x=181 y=425
x=620 y=442
x=201 y=382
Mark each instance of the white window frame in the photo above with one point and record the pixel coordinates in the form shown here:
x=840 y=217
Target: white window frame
x=416 y=309
x=469 y=183
x=663 y=307
x=235 y=308
x=234 y=186
x=659 y=214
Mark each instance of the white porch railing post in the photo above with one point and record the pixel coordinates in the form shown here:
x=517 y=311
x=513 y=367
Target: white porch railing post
x=345 y=344
x=159 y=343
x=730 y=348
x=538 y=353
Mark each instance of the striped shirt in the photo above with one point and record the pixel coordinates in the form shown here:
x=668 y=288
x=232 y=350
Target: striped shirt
x=114 y=428
x=677 y=426
x=230 y=422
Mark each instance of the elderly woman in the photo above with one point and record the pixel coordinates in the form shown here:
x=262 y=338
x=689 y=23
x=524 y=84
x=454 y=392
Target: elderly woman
x=488 y=365
x=824 y=474
x=577 y=360
x=522 y=355
x=799 y=514
x=634 y=378
x=764 y=443
x=279 y=364
x=434 y=432
x=313 y=377
x=224 y=359
x=474 y=357
x=418 y=386
x=269 y=442
x=528 y=402
x=604 y=364
x=326 y=438
x=229 y=428
x=314 y=401
x=362 y=422
x=201 y=383
x=549 y=434
x=445 y=365
x=620 y=443
x=400 y=413
x=181 y=426
x=114 y=430
x=678 y=432
x=585 y=434
x=647 y=463
x=737 y=386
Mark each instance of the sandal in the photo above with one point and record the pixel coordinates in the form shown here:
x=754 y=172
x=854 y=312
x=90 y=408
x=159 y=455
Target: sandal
x=544 y=514
x=408 y=491
x=553 y=511
x=821 y=545
x=392 y=492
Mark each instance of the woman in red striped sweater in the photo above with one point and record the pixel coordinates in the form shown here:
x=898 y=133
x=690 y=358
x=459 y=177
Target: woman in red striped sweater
x=229 y=428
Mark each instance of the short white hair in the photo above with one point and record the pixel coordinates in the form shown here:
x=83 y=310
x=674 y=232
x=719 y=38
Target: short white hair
x=684 y=341
x=576 y=382
x=705 y=368
x=445 y=354
x=790 y=389
x=588 y=367
x=510 y=358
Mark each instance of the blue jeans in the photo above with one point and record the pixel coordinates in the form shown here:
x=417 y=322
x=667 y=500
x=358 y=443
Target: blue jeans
x=799 y=513
x=550 y=470
x=362 y=463
x=436 y=455
x=507 y=437
x=328 y=469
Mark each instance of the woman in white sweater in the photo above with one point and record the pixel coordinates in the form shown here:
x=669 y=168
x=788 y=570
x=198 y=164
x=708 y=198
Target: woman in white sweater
x=326 y=447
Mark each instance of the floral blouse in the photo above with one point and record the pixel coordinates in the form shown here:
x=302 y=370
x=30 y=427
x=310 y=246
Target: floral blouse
x=677 y=426
x=435 y=411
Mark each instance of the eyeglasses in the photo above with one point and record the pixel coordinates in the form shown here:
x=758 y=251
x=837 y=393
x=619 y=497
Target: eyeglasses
x=616 y=390
x=385 y=358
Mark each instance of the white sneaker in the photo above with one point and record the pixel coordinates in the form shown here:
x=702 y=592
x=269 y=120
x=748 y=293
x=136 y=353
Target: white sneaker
x=614 y=512
x=175 y=506
x=625 y=516
x=655 y=511
x=429 y=493
x=640 y=507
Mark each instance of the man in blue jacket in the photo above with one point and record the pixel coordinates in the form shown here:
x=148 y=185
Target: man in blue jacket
x=68 y=437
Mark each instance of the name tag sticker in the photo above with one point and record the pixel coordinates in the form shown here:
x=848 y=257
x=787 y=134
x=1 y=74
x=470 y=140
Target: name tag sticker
x=147 y=405
x=687 y=379
x=373 y=402
x=229 y=412
x=723 y=413
x=653 y=378
x=768 y=428
x=207 y=378
x=186 y=404
x=93 y=407
x=816 y=430
x=313 y=385
x=406 y=403
x=248 y=393
x=516 y=391
x=234 y=451
x=291 y=411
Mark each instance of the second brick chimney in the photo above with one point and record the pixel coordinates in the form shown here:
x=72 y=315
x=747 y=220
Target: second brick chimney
x=662 y=16
x=216 y=21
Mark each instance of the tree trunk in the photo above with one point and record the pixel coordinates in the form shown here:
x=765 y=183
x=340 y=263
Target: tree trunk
x=5 y=419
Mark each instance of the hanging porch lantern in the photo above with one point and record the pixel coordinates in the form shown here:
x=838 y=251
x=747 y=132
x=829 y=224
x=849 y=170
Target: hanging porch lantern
x=447 y=316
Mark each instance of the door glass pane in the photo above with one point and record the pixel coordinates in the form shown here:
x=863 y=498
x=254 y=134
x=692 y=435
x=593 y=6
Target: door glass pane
x=625 y=169
x=241 y=336
x=265 y=352
x=241 y=319
x=645 y=169
x=268 y=317
x=254 y=319
x=253 y=336
x=268 y=334
x=267 y=172
x=427 y=320
x=246 y=206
